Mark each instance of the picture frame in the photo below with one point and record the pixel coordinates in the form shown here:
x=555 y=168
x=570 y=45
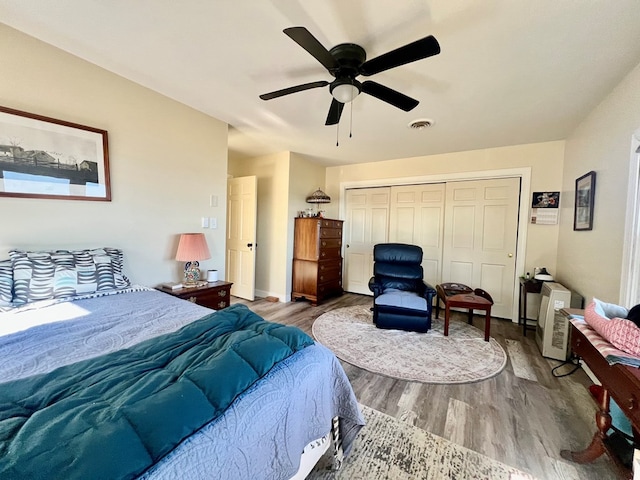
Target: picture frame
x=584 y=201
x=43 y=157
x=545 y=200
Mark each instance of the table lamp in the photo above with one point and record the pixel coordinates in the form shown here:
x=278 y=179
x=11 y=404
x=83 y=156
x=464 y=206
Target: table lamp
x=318 y=197
x=191 y=248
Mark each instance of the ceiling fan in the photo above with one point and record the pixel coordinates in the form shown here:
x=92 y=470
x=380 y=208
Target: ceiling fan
x=347 y=61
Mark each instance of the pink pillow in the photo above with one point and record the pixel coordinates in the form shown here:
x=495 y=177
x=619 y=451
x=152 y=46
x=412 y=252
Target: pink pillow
x=619 y=332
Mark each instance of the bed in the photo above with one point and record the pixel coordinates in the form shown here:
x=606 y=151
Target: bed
x=300 y=402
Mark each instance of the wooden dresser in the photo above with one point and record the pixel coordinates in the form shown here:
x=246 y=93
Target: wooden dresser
x=317 y=259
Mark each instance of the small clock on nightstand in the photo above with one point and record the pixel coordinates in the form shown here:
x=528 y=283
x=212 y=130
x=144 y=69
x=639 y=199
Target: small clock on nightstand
x=216 y=295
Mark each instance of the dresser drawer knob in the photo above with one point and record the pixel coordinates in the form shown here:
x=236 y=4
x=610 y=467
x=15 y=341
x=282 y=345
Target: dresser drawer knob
x=631 y=404
x=222 y=293
x=192 y=299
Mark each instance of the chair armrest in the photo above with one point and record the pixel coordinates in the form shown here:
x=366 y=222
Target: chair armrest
x=375 y=287
x=428 y=291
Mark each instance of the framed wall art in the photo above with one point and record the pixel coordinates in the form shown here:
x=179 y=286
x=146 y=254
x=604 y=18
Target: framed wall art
x=585 y=195
x=41 y=157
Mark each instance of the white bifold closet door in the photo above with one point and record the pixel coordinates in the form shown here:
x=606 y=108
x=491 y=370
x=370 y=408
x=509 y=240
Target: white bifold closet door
x=467 y=231
x=417 y=218
x=366 y=224
x=480 y=236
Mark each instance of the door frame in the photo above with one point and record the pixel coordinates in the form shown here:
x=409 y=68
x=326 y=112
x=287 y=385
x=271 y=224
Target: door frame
x=524 y=173
x=630 y=276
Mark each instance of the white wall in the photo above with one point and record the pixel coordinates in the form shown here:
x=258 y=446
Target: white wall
x=591 y=261
x=166 y=160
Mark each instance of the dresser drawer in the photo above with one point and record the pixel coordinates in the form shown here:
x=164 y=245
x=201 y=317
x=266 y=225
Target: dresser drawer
x=216 y=295
x=326 y=223
x=330 y=243
x=329 y=275
x=330 y=233
x=329 y=253
x=333 y=264
x=329 y=288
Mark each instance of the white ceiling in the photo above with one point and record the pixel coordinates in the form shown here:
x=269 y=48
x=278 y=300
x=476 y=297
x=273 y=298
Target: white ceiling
x=510 y=71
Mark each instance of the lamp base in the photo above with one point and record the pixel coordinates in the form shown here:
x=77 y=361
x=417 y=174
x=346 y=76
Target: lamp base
x=191 y=273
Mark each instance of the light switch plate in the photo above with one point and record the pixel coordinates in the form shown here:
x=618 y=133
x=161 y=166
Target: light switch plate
x=213 y=201
x=205 y=222
x=213 y=222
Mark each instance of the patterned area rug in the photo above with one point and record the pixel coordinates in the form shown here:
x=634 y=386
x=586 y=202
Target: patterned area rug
x=388 y=449
x=430 y=357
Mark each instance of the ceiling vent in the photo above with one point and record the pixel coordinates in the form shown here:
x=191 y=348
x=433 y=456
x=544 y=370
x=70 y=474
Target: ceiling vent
x=421 y=124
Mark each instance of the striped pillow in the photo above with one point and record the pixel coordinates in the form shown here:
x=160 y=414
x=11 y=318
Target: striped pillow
x=65 y=273
x=6 y=283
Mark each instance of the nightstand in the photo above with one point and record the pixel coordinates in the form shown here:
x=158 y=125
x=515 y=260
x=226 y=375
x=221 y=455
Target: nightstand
x=216 y=295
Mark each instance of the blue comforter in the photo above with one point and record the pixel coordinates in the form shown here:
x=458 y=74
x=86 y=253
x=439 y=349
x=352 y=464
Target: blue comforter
x=118 y=414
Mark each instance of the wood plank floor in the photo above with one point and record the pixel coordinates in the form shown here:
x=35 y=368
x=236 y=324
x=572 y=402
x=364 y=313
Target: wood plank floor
x=522 y=417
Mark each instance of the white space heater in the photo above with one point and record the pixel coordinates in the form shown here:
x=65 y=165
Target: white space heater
x=552 y=331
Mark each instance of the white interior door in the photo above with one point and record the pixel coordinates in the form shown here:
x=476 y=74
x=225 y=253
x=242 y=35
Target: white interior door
x=417 y=218
x=367 y=223
x=480 y=238
x=241 y=235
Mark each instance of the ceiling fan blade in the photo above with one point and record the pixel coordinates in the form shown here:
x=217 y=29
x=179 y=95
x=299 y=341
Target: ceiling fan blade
x=389 y=95
x=303 y=37
x=297 y=88
x=335 y=111
x=423 y=48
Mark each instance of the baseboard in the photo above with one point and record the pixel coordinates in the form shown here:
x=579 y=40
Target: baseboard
x=265 y=294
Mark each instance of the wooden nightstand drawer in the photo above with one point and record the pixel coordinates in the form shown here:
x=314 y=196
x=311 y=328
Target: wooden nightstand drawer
x=216 y=295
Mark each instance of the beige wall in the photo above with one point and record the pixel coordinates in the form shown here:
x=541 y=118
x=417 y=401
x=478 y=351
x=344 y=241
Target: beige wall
x=591 y=261
x=544 y=159
x=166 y=160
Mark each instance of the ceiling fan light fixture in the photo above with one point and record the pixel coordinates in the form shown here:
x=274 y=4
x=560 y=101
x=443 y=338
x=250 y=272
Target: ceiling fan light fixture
x=344 y=91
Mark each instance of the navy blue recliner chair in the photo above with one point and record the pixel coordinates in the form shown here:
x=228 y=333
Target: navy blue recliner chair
x=401 y=298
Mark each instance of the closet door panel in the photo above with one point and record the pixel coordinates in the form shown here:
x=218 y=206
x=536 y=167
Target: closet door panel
x=367 y=223
x=480 y=238
x=417 y=218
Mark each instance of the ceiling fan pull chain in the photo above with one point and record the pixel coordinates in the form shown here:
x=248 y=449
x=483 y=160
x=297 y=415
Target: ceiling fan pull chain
x=337 y=133
x=350 y=119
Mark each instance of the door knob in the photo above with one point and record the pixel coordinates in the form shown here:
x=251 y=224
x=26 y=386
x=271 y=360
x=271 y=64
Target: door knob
x=510 y=255
x=250 y=245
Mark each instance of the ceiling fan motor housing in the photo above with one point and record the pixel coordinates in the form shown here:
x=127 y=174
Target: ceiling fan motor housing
x=349 y=57
x=347 y=61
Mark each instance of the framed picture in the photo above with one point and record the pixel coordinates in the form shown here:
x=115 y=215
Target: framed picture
x=41 y=157
x=585 y=194
x=545 y=200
